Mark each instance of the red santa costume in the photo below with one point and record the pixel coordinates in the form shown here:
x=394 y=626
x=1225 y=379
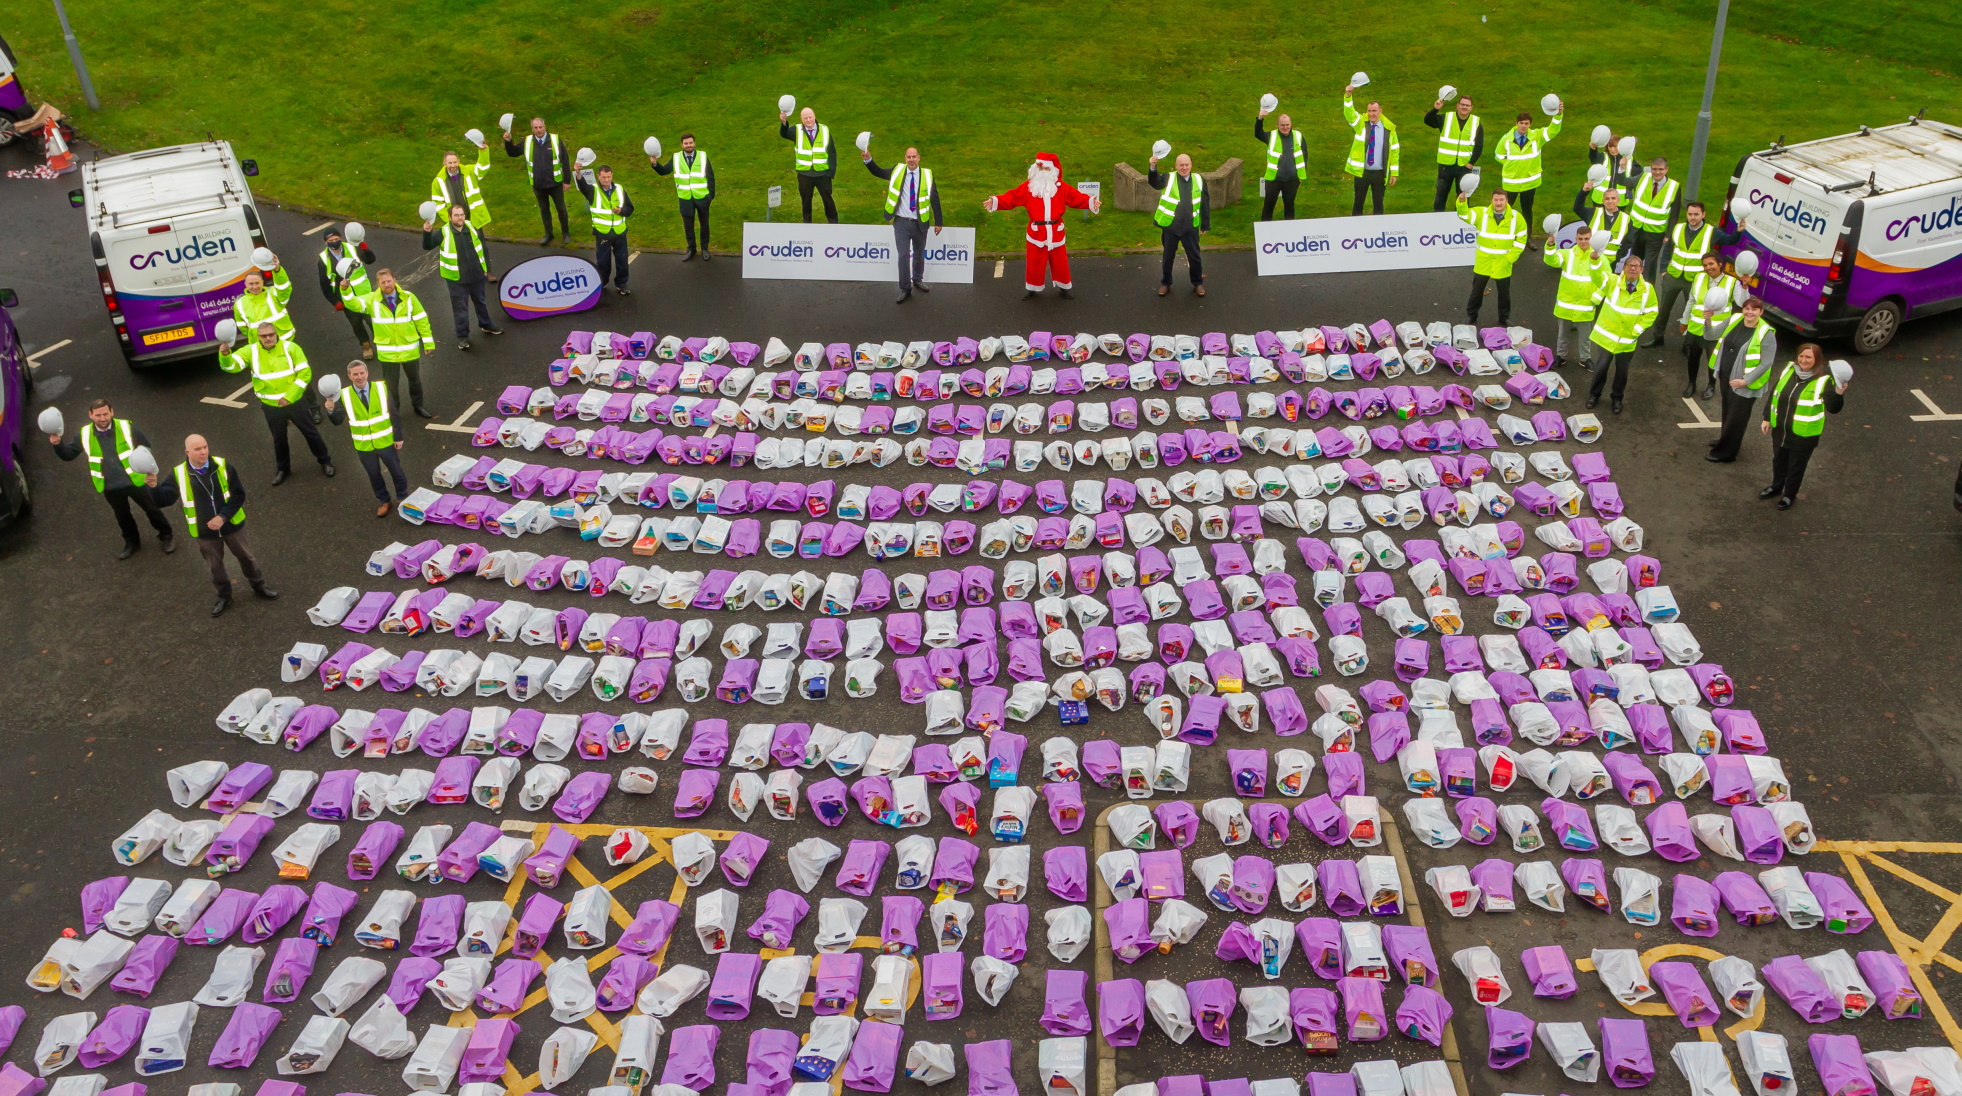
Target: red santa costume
x=1047 y=198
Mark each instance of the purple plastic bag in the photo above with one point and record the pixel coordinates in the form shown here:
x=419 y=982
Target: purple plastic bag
x=940 y=985
x=1066 y=872
x=835 y=988
x=411 y=976
x=1364 y=1018
x=1625 y=1052
x=1121 y=1011
x=98 y=898
x=1509 y=1037
x=1693 y=906
x=438 y=925
x=732 y=989
x=1845 y=913
x=145 y=965
x=1683 y=988
x=1409 y=950
x=1066 y=1008
x=1212 y=1001
x=989 y=1071
x=691 y=1057
x=874 y=1058
x=1423 y=1014
x=505 y=992
x=114 y=1036
x=771 y=1052
x=1893 y=988
x=330 y=904
x=244 y=1036
x=1794 y=980
x=1549 y=971
x=1005 y=934
x=1842 y=1068
x=783 y=911
x=291 y=966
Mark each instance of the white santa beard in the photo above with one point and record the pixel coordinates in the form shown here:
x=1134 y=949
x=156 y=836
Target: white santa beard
x=1043 y=179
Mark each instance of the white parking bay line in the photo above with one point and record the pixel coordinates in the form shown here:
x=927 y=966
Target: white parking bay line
x=1935 y=414
x=231 y=400
x=1703 y=422
x=35 y=358
x=999 y=265
x=316 y=228
x=457 y=426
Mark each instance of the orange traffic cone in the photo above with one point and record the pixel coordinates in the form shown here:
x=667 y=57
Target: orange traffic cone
x=61 y=160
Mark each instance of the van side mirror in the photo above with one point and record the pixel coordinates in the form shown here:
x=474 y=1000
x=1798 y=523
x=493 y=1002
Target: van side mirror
x=75 y=197
x=250 y=167
x=9 y=299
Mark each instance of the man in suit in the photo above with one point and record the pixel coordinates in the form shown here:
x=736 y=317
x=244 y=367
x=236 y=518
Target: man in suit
x=817 y=160
x=550 y=169
x=213 y=498
x=1373 y=150
x=1182 y=216
x=909 y=193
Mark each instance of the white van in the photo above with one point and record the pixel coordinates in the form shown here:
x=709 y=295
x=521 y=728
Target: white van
x=172 y=230
x=1855 y=233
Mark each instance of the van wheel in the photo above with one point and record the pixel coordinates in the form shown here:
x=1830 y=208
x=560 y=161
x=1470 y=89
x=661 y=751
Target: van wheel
x=1877 y=327
x=23 y=496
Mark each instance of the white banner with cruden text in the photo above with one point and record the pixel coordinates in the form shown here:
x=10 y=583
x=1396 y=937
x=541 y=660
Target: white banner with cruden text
x=1334 y=245
x=849 y=253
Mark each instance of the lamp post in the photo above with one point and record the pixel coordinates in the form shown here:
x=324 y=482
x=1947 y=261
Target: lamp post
x=1702 y=142
x=75 y=55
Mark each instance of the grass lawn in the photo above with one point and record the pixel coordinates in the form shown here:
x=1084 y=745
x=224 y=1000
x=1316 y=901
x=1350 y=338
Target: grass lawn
x=347 y=106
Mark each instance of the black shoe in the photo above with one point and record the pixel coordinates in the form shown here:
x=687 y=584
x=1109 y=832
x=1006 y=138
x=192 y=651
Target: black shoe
x=267 y=593
x=1767 y=492
x=423 y=412
x=463 y=344
x=706 y=257
x=623 y=291
x=128 y=551
x=546 y=242
x=1690 y=391
x=1787 y=502
x=218 y=607
x=1615 y=405
x=923 y=287
x=1591 y=401
x=688 y=258
x=327 y=469
x=1713 y=458
x=903 y=298
x=1709 y=390
x=1067 y=293
x=168 y=544
x=314 y=414
x=492 y=330
x=279 y=477
x=1028 y=294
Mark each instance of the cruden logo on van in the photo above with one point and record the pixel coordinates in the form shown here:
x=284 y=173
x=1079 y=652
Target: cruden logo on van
x=194 y=248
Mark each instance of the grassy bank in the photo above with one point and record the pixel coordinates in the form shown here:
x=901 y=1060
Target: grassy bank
x=348 y=106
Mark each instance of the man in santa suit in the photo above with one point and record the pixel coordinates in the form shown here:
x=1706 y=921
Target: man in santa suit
x=1047 y=198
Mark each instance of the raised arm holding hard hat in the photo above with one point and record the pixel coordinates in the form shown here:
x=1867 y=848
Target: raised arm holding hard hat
x=402 y=334
x=911 y=198
x=464 y=261
x=212 y=495
x=458 y=183
x=364 y=407
x=1520 y=152
x=1374 y=153
x=1612 y=224
x=817 y=157
x=1182 y=215
x=280 y=378
x=1795 y=415
x=694 y=187
x=342 y=261
x=1460 y=143
x=1287 y=160
x=608 y=207
x=111 y=444
x=549 y=167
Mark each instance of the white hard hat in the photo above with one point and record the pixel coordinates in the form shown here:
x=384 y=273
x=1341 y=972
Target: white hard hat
x=864 y=139
x=1161 y=149
x=346 y=266
x=652 y=146
x=1359 y=79
x=225 y=331
x=1842 y=370
x=583 y=157
x=1626 y=146
x=1551 y=224
x=1715 y=300
x=1746 y=264
x=1739 y=207
x=1550 y=103
x=429 y=210
x=330 y=386
x=263 y=258
x=142 y=462
x=1599 y=137
x=1269 y=101
x=1447 y=93
x=504 y=121
x=474 y=136
x=1468 y=182
x=1598 y=243
x=1597 y=173
x=786 y=103
x=51 y=422
x=355 y=232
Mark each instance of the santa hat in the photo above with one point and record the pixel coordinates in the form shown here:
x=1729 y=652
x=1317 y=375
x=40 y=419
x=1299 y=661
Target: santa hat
x=1051 y=160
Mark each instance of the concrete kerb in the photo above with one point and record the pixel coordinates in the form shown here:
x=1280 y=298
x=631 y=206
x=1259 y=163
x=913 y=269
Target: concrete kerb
x=1105 y=971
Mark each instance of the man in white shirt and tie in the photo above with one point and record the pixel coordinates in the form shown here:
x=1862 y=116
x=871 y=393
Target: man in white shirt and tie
x=910 y=194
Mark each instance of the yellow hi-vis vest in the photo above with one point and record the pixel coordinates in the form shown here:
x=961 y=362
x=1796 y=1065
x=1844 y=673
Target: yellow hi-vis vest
x=1500 y=240
x=1752 y=349
x=1625 y=314
x=401 y=334
x=1455 y=142
x=604 y=210
x=814 y=155
x=691 y=182
x=1580 y=274
x=122 y=437
x=1168 y=200
x=1598 y=224
x=1359 y=126
x=190 y=502
x=249 y=310
x=368 y=421
x=1699 y=289
x=330 y=258
x=473 y=195
x=446 y=253
x=924 y=199
x=279 y=375
x=1522 y=165
x=1686 y=252
x=1274 y=156
x=1808 y=412
x=1651 y=208
x=558 y=154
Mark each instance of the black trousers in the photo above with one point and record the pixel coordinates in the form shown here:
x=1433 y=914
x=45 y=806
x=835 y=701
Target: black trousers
x=821 y=184
x=1172 y=238
x=1788 y=464
x=909 y=237
x=1371 y=183
x=462 y=296
x=1284 y=189
x=1603 y=358
x=364 y=328
x=549 y=196
x=119 y=499
x=1522 y=200
x=373 y=461
x=392 y=371
x=1696 y=356
x=1649 y=246
x=1477 y=298
x=1737 y=414
x=1669 y=292
x=212 y=546
x=610 y=256
x=1446 y=194
x=697 y=209
x=277 y=419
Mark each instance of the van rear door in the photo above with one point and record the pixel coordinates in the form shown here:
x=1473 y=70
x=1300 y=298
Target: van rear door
x=1793 y=226
x=176 y=280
